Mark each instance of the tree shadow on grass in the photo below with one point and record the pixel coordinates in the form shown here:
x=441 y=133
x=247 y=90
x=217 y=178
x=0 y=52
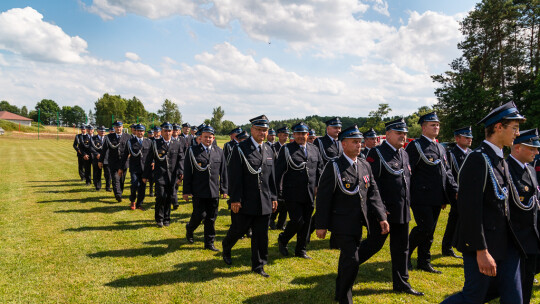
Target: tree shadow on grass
x=317 y=289
x=105 y=209
x=189 y=272
x=74 y=180
x=122 y=225
x=172 y=245
x=100 y=199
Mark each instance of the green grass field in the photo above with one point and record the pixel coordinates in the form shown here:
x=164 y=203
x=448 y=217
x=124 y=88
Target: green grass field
x=64 y=242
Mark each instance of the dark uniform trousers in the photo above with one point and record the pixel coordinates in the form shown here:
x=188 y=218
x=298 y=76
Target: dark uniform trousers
x=431 y=187
x=345 y=215
x=80 y=163
x=164 y=199
x=459 y=156
x=256 y=194
x=299 y=224
x=394 y=190
x=137 y=188
x=205 y=209
x=87 y=167
x=117 y=181
x=485 y=223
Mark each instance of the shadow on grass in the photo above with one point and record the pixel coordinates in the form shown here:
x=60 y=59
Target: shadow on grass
x=100 y=199
x=323 y=284
x=106 y=209
x=118 y=226
x=171 y=246
x=189 y=272
x=74 y=180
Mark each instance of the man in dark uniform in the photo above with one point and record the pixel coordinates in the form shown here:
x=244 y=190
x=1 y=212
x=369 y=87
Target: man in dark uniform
x=347 y=194
x=432 y=187
x=176 y=137
x=167 y=157
x=185 y=130
x=78 y=145
x=228 y=147
x=311 y=136
x=205 y=177
x=253 y=194
x=390 y=166
x=271 y=138
x=370 y=142
x=85 y=147
x=114 y=149
x=150 y=134
x=150 y=180
x=281 y=212
x=491 y=251
x=157 y=132
x=330 y=148
x=137 y=149
x=97 y=155
x=524 y=209
x=455 y=156
x=298 y=168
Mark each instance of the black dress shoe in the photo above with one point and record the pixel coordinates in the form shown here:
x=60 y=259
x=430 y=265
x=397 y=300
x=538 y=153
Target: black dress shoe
x=409 y=264
x=118 y=199
x=166 y=224
x=108 y=190
x=189 y=235
x=272 y=225
x=174 y=207
x=450 y=253
x=411 y=292
x=160 y=224
x=429 y=268
x=151 y=194
x=261 y=272
x=211 y=247
x=249 y=233
x=282 y=246
x=303 y=255
x=227 y=257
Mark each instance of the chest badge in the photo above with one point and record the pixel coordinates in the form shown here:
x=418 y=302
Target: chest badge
x=343 y=179
x=526 y=188
x=431 y=159
x=521 y=198
x=347 y=186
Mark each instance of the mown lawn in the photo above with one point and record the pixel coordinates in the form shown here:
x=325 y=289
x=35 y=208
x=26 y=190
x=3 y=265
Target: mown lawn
x=64 y=242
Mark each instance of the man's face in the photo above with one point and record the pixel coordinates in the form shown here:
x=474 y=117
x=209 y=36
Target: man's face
x=463 y=142
x=370 y=142
x=83 y=131
x=524 y=154
x=207 y=138
x=259 y=133
x=300 y=137
x=193 y=132
x=139 y=133
x=396 y=138
x=157 y=134
x=175 y=133
x=101 y=133
x=283 y=137
x=431 y=129
x=271 y=138
x=166 y=134
x=311 y=139
x=133 y=131
x=90 y=132
x=333 y=131
x=118 y=129
x=185 y=130
x=509 y=132
x=352 y=146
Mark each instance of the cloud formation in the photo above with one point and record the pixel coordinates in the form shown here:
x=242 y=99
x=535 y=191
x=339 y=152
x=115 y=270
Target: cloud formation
x=23 y=31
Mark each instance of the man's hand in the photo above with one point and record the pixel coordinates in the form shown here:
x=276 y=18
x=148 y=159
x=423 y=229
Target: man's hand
x=235 y=207
x=274 y=206
x=385 y=227
x=443 y=206
x=315 y=192
x=186 y=197
x=86 y=157
x=153 y=166
x=120 y=172
x=321 y=233
x=180 y=178
x=486 y=263
x=100 y=165
x=98 y=156
x=144 y=180
x=224 y=196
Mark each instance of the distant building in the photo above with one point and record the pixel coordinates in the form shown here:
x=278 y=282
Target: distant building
x=14 y=118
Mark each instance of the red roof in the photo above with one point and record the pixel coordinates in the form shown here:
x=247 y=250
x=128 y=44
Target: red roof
x=10 y=116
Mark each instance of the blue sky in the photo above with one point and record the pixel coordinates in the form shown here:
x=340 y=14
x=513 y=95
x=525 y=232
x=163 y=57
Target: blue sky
x=281 y=58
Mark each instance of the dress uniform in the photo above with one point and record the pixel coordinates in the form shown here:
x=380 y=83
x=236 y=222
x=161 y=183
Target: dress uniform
x=176 y=129
x=96 y=148
x=391 y=169
x=167 y=156
x=347 y=194
x=87 y=154
x=455 y=157
x=150 y=180
x=193 y=139
x=298 y=168
x=205 y=177
x=281 y=212
x=432 y=185
x=137 y=151
x=312 y=136
x=78 y=146
x=271 y=138
x=251 y=184
x=228 y=147
x=114 y=149
x=484 y=231
x=368 y=134
x=524 y=210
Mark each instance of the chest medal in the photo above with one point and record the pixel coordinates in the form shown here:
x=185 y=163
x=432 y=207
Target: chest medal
x=526 y=188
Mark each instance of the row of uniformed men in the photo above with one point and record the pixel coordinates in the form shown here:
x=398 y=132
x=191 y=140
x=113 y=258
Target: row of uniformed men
x=348 y=189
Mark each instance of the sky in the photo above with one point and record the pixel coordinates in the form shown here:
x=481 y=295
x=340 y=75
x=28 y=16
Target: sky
x=282 y=58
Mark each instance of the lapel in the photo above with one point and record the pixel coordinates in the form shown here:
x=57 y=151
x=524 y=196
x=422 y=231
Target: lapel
x=496 y=161
x=254 y=149
x=203 y=152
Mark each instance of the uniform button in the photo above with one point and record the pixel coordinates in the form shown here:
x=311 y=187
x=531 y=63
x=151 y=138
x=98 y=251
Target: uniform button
x=466 y=244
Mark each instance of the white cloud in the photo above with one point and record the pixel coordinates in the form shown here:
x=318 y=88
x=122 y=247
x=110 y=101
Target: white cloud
x=133 y=56
x=23 y=31
x=380 y=6
x=108 y=9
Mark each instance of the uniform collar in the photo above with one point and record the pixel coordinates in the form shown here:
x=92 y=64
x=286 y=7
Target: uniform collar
x=429 y=139
x=518 y=162
x=256 y=144
x=391 y=147
x=350 y=160
x=464 y=151
x=496 y=149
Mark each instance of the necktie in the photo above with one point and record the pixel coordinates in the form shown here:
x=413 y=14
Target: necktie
x=354 y=166
x=259 y=148
x=305 y=150
x=140 y=142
